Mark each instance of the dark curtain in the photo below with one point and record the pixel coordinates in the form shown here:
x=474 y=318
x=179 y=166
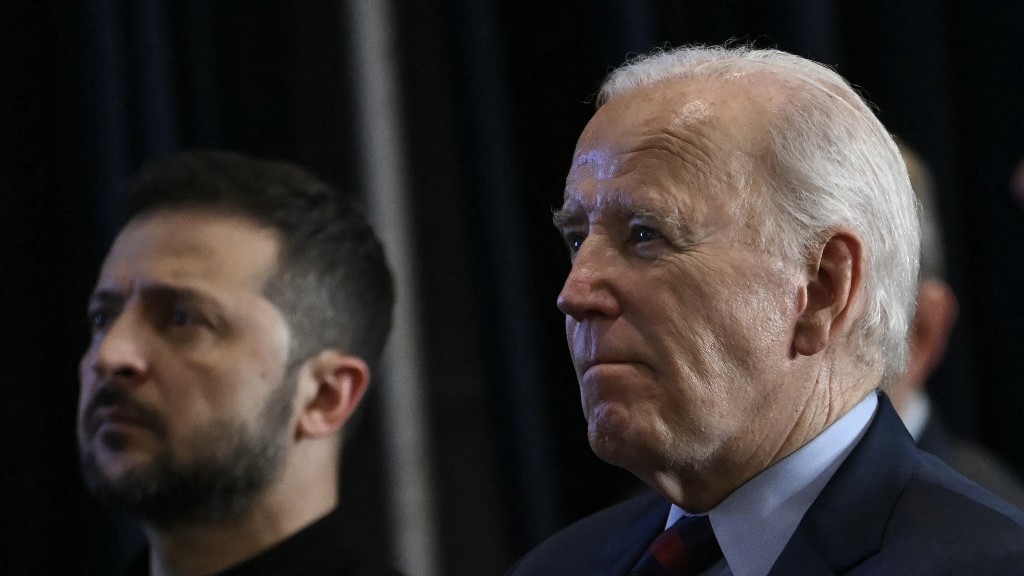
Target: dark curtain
x=494 y=95
x=91 y=90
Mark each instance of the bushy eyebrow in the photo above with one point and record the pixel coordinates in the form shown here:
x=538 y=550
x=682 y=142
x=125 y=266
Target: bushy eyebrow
x=575 y=212
x=107 y=297
x=567 y=217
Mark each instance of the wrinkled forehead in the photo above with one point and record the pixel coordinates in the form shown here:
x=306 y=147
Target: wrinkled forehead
x=699 y=139
x=735 y=107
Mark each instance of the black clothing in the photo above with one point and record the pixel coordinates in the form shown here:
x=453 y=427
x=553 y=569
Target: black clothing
x=316 y=550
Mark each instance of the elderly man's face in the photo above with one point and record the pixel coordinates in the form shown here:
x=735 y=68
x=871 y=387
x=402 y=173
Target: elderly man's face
x=680 y=328
x=185 y=408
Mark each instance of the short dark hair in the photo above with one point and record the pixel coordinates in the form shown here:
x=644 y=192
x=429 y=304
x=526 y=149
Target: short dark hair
x=332 y=282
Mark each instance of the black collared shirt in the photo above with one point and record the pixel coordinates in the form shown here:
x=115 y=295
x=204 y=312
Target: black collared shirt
x=316 y=550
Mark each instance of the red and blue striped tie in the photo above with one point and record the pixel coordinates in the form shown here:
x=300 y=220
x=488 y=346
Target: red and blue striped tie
x=687 y=548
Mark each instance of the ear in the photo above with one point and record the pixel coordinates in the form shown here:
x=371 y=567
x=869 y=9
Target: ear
x=936 y=313
x=334 y=386
x=834 y=279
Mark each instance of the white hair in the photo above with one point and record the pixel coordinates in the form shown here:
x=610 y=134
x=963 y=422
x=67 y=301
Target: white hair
x=829 y=162
x=933 y=250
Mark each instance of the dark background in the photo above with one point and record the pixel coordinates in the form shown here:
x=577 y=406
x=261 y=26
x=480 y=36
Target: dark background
x=493 y=95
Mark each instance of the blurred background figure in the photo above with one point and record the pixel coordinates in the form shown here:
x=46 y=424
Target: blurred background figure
x=933 y=323
x=1017 y=184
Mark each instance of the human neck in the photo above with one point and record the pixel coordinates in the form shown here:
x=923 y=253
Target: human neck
x=199 y=549
x=699 y=487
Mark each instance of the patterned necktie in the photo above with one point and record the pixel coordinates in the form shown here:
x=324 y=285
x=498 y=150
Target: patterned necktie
x=687 y=548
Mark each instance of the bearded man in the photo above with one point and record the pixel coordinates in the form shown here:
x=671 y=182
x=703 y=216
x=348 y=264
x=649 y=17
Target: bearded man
x=235 y=321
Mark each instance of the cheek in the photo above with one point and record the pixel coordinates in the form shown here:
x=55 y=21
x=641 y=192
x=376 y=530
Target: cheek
x=234 y=377
x=267 y=362
x=770 y=306
x=194 y=391
x=271 y=345
x=688 y=322
x=86 y=380
x=723 y=324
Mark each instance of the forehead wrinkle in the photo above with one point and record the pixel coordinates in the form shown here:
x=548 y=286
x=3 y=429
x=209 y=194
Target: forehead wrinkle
x=692 y=148
x=666 y=162
x=593 y=157
x=618 y=203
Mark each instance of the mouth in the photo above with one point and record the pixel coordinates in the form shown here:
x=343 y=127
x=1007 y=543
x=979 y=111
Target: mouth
x=598 y=363
x=106 y=420
x=116 y=412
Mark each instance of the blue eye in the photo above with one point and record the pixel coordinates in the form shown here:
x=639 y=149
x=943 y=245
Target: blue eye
x=573 y=241
x=640 y=234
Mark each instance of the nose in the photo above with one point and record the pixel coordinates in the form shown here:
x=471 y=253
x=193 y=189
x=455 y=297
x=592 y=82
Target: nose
x=589 y=289
x=118 y=353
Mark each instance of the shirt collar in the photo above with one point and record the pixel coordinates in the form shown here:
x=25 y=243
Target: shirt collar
x=754 y=523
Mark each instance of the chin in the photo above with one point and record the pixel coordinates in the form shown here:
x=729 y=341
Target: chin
x=109 y=470
x=611 y=436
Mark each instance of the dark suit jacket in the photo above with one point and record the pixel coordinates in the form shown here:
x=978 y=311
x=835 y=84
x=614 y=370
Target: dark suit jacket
x=972 y=460
x=890 y=508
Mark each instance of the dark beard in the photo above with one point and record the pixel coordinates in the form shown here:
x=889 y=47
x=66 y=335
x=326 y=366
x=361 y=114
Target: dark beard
x=228 y=467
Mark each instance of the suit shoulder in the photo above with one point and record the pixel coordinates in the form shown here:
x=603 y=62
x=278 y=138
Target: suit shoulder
x=936 y=477
x=944 y=508
x=982 y=466
x=618 y=534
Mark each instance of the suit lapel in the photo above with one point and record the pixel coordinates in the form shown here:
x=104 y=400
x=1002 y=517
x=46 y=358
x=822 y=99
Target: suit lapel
x=623 y=549
x=800 y=558
x=845 y=524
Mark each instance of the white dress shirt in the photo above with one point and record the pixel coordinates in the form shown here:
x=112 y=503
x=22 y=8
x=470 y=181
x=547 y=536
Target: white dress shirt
x=754 y=523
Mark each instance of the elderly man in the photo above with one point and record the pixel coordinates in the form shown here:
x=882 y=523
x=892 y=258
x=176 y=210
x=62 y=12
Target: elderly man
x=744 y=247
x=234 y=323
